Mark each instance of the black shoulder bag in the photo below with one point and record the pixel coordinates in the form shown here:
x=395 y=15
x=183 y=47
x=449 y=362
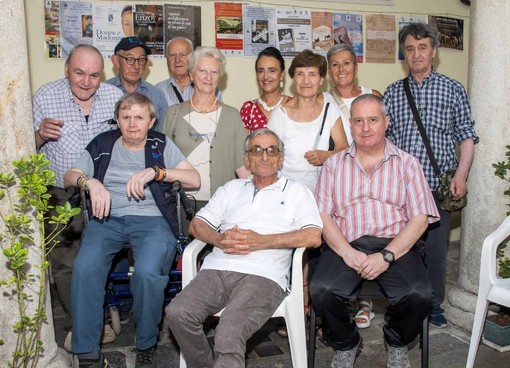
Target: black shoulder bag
x=444 y=195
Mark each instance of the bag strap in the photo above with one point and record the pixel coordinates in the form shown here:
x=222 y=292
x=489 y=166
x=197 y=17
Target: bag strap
x=177 y=93
x=421 y=128
x=340 y=102
x=322 y=127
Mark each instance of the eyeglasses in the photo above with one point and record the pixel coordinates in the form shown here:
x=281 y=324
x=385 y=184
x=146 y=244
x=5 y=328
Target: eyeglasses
x=131 y=60
x=258 y=151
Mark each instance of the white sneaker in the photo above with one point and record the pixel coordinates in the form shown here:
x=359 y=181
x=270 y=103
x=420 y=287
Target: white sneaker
x=397 y=357
x=108 y=336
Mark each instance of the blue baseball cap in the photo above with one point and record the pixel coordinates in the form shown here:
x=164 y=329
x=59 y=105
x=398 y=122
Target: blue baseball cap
x=128 y=43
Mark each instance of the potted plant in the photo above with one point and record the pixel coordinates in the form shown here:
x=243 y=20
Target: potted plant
x=497 y=326
x=23 y=205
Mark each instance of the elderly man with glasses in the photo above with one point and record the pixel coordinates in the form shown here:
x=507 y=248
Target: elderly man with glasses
x=253 y=225
x=131 y=59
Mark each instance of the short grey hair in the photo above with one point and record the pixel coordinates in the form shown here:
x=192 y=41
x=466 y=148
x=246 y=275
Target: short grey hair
x=263 y=131
x=135 y=98
x=339 y=48
x=83 y=46
x=419 y=31
x=370 y=97
x=185 y=39
x=207 y=51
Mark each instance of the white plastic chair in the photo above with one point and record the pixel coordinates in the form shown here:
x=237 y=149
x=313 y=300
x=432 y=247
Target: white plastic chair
x=291 y=307
x=491 y=288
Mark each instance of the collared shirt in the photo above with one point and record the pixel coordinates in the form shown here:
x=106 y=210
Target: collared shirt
x=379 y=203
x=170 y=95
x=55 y=100
x=281 y=207
x=155 y=95
x=445 y=113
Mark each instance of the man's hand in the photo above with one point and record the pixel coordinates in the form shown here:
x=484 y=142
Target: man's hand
x=354 y=259
x=50 y=129
x=317 y=157
x=99 y=198
x=373 y=266
x=136 y=185
x=458 y=185
x=235 y=241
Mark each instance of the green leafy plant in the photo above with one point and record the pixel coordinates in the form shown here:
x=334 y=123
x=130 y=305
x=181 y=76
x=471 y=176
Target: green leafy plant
x=503 y=172
x=25 y=203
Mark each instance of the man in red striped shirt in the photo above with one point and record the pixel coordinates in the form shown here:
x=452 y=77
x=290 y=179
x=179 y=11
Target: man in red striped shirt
x=375 y=204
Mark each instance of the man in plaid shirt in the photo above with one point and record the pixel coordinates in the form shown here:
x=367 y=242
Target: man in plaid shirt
x=445 y=113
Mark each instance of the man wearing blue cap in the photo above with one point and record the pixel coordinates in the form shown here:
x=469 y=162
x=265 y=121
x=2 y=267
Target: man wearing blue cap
x=130 y=59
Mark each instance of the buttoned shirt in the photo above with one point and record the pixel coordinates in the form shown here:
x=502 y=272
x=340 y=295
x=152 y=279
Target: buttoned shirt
x=55 y=100
x=445 y=113
x=171 y=96
x=281 y=207
x=378 y=203
x=155 y=95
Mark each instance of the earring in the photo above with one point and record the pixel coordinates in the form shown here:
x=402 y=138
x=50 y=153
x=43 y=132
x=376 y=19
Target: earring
x=281 y=84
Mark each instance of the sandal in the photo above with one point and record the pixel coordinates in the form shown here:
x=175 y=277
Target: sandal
x=364 y=315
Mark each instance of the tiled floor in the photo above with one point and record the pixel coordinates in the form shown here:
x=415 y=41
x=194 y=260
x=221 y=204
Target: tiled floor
x=448 y=347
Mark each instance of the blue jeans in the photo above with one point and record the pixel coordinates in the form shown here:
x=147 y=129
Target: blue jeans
x=154 y=249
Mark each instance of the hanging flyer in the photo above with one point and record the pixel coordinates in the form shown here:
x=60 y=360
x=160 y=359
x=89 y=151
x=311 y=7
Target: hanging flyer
x=183 y=21
x=322 y=32
x=76 y=25
x=52 y=29
x=381 y=38
x=293 y=28
x=259 y=29
x=108 y=27
x=229 y=28
x=451 y=31
x=348 y=28
x=149 y=28
x=405 y=20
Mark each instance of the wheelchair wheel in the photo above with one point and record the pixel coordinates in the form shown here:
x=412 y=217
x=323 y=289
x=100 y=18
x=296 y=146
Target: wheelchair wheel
x=115 y=317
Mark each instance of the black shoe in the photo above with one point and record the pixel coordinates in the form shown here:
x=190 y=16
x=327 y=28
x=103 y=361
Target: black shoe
x=89 y=363
x=145 y=358
x=437 y=318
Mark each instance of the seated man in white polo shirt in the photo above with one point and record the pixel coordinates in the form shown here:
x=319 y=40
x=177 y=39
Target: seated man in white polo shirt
x=253 y=225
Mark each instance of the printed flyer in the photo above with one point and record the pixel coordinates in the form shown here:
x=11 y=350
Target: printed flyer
x=293 y=27
x=259 y=29
x=229 y=28
x=183 y=21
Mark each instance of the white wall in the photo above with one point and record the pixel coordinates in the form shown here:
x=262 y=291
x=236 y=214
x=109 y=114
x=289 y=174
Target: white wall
x=240 y=84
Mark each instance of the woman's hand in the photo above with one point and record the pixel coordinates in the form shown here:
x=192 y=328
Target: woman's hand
x=317 y=157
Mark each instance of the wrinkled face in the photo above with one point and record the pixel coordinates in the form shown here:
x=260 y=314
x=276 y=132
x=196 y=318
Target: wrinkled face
x=83 y=72
x=177 y=58
x=368 y=125
x=342 y=69
x=130 y=73
x=127 y=23
x=307 y=81
x=206 y=74
x=269 y=74
x=419 y=54
x=134 y=123
x=263 y=165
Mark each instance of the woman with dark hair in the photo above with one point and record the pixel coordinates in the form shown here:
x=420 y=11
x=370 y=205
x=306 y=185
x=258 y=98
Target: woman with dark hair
x=311 y=129
x=270 y=69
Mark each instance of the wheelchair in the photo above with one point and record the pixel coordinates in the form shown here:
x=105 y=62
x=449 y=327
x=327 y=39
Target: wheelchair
x=118 y=297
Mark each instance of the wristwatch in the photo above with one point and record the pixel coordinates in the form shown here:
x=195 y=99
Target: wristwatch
x=388 y=255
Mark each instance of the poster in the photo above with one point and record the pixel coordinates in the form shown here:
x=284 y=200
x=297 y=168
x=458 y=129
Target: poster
x=451 y=31
x=348 y=28
x=322 y=32
x=76 y=25
x=381 y=37
x=148 y=27
x=259 y=29
x=52 y=29
x=109 y=27
x=183 y=21
x=229 y=28
x=402 y=21
x=293 y=28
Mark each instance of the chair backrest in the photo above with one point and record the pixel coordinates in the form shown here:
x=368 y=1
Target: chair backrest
x=488 y=263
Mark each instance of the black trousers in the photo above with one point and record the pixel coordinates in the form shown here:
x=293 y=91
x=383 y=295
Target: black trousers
x=404 y=284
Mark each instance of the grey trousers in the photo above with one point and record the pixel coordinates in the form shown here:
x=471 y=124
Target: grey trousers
x=249 y=301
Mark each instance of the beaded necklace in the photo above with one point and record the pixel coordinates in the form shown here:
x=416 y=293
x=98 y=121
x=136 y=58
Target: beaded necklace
x=267 y=107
